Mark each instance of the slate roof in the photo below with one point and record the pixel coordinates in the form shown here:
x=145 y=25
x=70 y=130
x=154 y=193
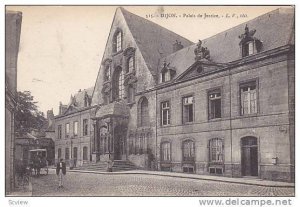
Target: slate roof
x=274 y=29
x=79 y=97
x=153 y=40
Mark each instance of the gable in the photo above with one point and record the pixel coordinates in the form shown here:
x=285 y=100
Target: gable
x=198 y=69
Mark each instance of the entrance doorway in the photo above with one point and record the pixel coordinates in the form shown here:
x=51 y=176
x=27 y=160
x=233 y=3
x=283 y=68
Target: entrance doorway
x=249 y=153
x=119 y=142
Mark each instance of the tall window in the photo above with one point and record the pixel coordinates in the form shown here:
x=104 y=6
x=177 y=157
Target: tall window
x=165 y=113
x=84 y=156
x=67 y=154
x=216 y=150
x=85 y=127
x=67 y=130
x=131 y=144
x=166 y=151
x=75 y=128
x=165 y=76
x=120 y=83
x=59 y=131
x=248 y=48
x=58 y=153
x=188 y=150
x=107 y=73
x=214 y=104
x=248 y=98
x=188 y=109
x=130 y=64
x=117 y=41
x=144 y=112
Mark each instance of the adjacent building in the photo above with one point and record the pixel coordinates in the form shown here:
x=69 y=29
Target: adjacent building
x=222 y=106
x=13 y=22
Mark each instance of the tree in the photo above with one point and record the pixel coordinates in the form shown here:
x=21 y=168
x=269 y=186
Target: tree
x=28 y=117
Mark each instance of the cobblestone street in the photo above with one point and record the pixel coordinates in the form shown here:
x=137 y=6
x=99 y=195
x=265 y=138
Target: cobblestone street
x=88 y=184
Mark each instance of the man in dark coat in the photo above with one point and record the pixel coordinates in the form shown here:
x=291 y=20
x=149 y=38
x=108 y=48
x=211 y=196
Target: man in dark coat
x=61 y=172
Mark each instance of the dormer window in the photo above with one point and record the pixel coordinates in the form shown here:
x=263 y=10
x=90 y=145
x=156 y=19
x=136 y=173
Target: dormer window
x=167 y=73
x=165 y=76
x=249 y=44
x=117 y=41
x=248 y=49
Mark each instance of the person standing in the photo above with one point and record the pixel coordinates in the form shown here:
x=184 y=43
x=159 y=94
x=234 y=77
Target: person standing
x=61 y=172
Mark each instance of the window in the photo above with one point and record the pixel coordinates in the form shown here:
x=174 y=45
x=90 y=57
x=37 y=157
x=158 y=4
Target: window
x=75 y=128
x=67 y=154
x=84 y=156
x=166 y=151
x=144 y=113
x=120 y=84
x=107 y=73
x=141 y=147
x=117 y=42
x=131 y=144
x=130 y=64
x=85 y=127
x=248 y=48
x=165 y=113
x=188 y=109
x=58 y=153
x=67 y=130
x=214 y=104
x=165 y=76
x=248 y=98
x=59 y=131
x=216 y=150
x=188 y=150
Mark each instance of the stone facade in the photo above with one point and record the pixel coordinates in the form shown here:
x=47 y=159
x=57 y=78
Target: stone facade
x=223 y=106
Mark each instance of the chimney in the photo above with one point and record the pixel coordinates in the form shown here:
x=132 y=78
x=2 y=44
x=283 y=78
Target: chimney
x=50 y=117
x=177 y=46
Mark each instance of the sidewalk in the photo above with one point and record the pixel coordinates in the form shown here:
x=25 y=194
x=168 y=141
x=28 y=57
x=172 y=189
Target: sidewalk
x=247 y=181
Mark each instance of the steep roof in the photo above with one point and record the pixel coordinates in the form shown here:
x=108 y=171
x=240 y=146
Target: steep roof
x=274 y=29
x=79 y=97
x=154 y=41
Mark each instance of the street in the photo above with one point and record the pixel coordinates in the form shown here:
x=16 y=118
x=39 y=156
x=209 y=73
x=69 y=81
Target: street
x=89 y=184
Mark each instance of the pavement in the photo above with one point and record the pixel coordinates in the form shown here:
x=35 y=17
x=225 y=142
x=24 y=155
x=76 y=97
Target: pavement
x=139 y=183
x=260 y=187
x=244 y=180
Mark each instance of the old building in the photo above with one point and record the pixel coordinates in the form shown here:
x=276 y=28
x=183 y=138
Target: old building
x=222 y=106
x=12 y=38
x=72 y=129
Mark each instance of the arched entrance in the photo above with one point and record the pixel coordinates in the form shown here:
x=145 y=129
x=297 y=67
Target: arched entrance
x=249 y=156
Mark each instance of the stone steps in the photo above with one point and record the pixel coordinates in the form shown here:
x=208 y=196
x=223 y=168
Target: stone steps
x=118 y=165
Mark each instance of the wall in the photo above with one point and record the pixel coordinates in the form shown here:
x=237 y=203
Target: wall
x=270 y=125
x=78 y=141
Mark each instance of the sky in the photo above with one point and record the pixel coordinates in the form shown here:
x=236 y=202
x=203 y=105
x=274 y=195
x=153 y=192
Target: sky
x=61 y=47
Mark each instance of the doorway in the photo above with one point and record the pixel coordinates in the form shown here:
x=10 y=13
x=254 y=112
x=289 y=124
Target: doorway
x=249 y=156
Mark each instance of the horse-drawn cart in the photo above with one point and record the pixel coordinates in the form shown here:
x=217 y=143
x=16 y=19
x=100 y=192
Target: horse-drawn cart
x=38 y=161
